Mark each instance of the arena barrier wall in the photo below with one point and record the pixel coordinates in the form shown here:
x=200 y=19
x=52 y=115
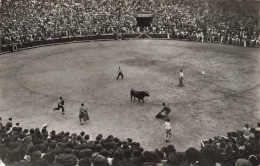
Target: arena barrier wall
x=121 y=36
x=17 y=46
x=48 y=42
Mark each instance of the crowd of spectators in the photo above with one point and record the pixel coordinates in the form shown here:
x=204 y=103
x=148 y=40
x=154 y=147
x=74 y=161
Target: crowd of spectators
x=38 y=147
x=207 y=21
x=234 y=144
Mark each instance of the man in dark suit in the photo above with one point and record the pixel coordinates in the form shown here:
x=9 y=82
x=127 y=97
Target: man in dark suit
x=83 y=113
x=60 y=105
x=164 y=112
x=120 y=73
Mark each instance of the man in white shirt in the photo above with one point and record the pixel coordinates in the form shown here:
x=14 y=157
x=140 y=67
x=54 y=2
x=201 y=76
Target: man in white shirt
x=181 y=78
x=168 y=130
x=120 y=73
x=1 y=163
x=246 y=131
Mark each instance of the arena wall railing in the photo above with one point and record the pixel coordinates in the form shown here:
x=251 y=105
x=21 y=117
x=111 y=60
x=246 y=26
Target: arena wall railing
x=103 y=37
x=16 y=46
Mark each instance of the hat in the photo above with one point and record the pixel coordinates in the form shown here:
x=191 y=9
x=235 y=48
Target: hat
x=99 y=137
x=85 y=161
x=94 y=155
x=86 y=153
x=44 y=126
x=37 y=154
x=243 y=162
x=100 y=160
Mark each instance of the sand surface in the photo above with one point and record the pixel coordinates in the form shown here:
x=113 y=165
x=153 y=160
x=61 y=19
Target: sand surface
x=211 y=104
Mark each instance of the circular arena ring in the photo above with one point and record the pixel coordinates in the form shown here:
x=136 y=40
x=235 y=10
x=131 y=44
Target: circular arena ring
x=221 y=88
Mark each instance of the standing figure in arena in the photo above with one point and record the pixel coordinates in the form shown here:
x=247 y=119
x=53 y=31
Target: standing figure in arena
x=120 y=73
x=83 y=113
x=164 y=112
x=181 y=78
x=168 y=130
x=60 y=105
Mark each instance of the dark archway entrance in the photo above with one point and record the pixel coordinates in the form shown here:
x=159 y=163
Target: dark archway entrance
x=144 y=20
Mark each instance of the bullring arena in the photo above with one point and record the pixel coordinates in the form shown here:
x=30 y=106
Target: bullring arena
x=222 y=99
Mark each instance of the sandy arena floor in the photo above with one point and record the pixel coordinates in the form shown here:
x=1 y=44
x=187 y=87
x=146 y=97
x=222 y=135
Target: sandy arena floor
x=223 y=99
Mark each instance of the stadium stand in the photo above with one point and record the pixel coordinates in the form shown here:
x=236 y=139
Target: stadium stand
x=30 y=21
x=35 y=146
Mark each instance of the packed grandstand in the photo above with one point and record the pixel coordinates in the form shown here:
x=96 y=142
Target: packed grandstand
x=27 y=21
x=40 y=147
x=24 y=22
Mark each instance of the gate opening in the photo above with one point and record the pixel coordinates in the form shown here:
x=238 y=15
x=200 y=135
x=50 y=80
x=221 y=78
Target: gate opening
x=144 y=20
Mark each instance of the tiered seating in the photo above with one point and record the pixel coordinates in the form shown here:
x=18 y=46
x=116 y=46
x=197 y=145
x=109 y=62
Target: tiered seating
x=224 y=22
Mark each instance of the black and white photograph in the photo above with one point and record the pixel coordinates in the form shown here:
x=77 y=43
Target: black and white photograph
x=129 y=83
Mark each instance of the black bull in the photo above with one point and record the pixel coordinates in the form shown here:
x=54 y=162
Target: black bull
x=139 y=94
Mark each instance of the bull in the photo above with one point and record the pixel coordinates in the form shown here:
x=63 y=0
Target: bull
x=139 y=94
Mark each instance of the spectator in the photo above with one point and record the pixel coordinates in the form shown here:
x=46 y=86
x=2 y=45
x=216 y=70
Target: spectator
x=192 y=156
x=85 y=162
x=243 y=162
x=246 y=131
x=253 y=160
x=9 y=124
x=258 y=127
x=208 y=157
